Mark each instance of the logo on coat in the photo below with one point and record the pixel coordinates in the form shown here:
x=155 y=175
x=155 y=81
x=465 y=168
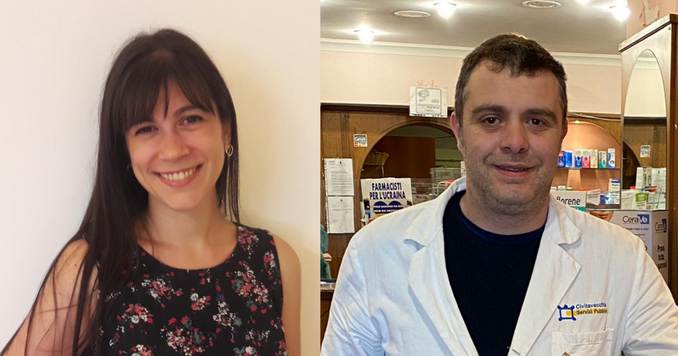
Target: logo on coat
x=566 y=313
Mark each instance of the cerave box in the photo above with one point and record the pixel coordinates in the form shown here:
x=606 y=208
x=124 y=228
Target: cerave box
x=651 y=227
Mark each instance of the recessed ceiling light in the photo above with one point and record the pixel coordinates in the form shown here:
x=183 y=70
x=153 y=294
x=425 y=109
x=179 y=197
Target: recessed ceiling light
x=445 y=9
x=412 y=13
x=620 y=12
x=584 y=2
x=541 y=4
x=365 y=35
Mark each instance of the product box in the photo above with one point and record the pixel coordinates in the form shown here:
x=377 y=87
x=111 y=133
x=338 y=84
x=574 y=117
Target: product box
x=651 y=227
x=611 y=160
x=578 y=158
x=586 y=160
x=569 y=159
x=628 y=199
x=594 y=158
x=593 y=198
x=573 y=198
x=613 y=191
x=658 y=179
x=640 y=178
x=602 y=159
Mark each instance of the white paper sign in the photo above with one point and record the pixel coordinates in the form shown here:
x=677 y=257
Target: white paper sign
x=645 y=151
x=428 y=102
x=340 y=215
x=338 y=176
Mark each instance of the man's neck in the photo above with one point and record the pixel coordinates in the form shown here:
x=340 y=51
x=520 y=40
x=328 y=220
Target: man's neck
x=499 y=221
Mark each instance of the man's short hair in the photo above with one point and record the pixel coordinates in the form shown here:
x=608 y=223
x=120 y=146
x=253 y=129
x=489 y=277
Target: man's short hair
x=519 y=54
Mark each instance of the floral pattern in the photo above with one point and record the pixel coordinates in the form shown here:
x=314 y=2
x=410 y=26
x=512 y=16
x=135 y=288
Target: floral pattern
x=232 y=309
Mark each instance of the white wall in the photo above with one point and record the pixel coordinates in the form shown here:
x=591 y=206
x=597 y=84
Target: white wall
x=382 y=73
x=55 y=56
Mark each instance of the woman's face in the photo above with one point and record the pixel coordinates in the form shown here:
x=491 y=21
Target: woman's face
x=178 y=156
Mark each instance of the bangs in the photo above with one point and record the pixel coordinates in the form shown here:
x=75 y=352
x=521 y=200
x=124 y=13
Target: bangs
x=139 y=92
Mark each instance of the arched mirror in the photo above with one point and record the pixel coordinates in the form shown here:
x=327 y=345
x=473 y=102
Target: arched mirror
x=644 y=134
x=645 y=157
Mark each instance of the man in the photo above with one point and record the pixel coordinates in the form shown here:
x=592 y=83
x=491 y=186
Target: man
x=495 y=266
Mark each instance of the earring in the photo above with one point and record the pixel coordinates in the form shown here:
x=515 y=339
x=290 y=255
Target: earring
x=229 y=151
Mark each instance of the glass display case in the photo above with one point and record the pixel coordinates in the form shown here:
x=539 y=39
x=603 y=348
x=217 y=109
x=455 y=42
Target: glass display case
x=649 y=131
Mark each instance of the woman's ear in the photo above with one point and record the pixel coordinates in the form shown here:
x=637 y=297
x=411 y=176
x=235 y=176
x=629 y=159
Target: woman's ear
x=226 y=130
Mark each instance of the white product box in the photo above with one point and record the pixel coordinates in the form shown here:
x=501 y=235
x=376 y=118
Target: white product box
x=651 y=227
x=573 y=198
x=611 y=160
x=658 y=179
x=640 y=178
x=593 y=198
x=628 y=199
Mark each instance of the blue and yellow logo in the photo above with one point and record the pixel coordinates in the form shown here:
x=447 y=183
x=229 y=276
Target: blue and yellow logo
x=572 y=312
x=566 y=313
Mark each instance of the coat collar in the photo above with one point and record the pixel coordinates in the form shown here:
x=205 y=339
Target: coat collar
x=555 y=269
x=554 y=272
x=428 y=225
x=428 y=279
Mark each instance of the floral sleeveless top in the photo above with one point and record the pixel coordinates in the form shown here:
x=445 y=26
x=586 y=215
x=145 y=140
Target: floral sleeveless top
x=234 y=308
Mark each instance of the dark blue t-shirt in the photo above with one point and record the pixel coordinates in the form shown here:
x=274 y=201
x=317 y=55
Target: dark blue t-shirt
x=489 y=274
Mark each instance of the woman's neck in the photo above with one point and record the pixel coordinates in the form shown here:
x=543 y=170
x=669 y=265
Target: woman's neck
x=198 y=226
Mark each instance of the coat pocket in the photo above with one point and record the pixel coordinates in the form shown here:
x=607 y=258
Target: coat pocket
x=597 y=343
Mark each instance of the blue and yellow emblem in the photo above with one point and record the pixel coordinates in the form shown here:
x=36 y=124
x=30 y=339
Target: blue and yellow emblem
x=566 y=313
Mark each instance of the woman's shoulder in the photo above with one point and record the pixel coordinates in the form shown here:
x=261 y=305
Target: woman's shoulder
x=253 y=239
x=257 y=236
x=261 y=242
x=68 y=265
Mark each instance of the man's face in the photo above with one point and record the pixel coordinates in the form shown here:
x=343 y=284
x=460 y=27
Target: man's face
x=510 y=138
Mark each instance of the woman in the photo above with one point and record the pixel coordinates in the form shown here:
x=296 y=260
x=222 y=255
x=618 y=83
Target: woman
x=156 y=267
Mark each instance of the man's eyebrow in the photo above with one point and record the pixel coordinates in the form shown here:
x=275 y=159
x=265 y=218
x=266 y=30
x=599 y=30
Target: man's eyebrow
x=488 y=108
x=542 y=112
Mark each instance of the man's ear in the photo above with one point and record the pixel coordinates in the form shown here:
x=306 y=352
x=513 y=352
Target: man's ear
x=456 y=129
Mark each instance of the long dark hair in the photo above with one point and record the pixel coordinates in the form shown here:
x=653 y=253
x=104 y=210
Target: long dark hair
x=140 y=71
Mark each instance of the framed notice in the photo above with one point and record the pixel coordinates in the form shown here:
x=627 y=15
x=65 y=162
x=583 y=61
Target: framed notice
x=428 y=102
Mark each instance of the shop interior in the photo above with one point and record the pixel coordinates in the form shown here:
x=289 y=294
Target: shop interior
x=618 y=159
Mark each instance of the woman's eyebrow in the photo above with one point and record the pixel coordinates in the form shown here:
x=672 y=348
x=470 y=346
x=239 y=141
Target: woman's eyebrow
x=185 y=108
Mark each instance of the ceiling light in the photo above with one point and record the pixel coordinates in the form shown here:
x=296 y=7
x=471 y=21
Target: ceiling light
x=365 y=35
x=412 y=13
x=584 y=2
x=620 y=12
x=445 y=9
x=541 y=4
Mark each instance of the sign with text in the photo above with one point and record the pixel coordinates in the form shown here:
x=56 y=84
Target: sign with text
x=384 y=195
x=428 y=102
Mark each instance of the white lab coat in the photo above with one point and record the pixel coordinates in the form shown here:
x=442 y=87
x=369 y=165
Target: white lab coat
x=393 y=295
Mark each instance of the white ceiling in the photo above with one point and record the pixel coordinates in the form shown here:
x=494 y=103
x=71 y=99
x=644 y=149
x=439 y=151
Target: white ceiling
x=569 y=28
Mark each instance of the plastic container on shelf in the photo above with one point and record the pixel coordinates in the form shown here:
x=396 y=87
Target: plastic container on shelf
x=442 y=177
